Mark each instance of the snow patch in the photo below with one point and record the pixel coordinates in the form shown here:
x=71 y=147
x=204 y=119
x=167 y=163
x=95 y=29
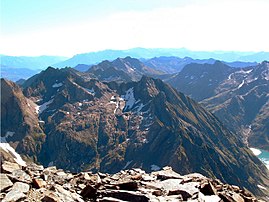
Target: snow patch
x=261 y=187
x=5 y=146
x=247 y=72
x=127 y=164
x=90 y=91
x=41 y=108
x=255 y=151
x=140 y=107
x=145 y=141
x=50 y=164
x=9 y=134
x=57 y=85
x=241 y=84
x=130 y=69
x=113 y=100
x=155 y=167
x=129 y=98
x=230 y=76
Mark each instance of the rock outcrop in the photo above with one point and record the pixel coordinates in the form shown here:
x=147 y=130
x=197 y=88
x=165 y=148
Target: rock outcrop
x=36 y=183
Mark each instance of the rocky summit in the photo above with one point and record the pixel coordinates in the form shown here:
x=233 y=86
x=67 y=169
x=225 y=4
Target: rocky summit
x=36 y=183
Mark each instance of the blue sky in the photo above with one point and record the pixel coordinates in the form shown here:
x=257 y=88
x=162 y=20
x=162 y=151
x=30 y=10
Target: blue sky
x=68 y=27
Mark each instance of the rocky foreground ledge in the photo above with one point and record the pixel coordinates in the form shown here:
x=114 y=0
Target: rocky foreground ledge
x=36 y=183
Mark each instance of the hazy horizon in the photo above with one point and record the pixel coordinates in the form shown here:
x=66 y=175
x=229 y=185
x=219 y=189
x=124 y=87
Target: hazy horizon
x=103 y=50
x=67 y=28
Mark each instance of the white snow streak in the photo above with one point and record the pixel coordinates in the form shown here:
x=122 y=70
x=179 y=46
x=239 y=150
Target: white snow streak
x=255 y=151
x=127 y=164
x=155 y=167
x=261 y=187
x=241 y=84
x=5 y=146
x=41 y=108
x=90 y=91
x=129 y=98
x=57 y=85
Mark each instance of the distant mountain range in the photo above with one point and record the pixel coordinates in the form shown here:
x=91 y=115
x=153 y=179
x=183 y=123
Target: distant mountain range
x=165 y=60
x=96 y=57
x=15 y=74
x=33 y=63
x=174 y=64
x=66 y=118
x=22 y=67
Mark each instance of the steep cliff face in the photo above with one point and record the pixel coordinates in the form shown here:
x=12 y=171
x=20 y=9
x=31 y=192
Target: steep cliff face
x=240 y=102
x=90 y=125
x=19 y=122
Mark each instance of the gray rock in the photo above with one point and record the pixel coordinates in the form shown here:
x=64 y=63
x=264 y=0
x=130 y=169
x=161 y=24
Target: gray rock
x=21 y=187
x=5 y=182
x=191 y=187
x=128 y=185
x=21 y=176
x=33 y=166
x=237 y=197
x=167 y=173
x=8 y=167
x=66 y=195
x=212 y=198
x=171 y=184
x=14 y=195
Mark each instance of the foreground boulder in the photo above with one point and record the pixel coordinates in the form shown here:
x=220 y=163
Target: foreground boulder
x=55 y=185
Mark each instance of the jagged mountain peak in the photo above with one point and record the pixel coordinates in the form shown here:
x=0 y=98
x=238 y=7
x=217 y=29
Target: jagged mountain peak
x=9 y=86
x=122 y=70
x=135 y=124
x=129 y=60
